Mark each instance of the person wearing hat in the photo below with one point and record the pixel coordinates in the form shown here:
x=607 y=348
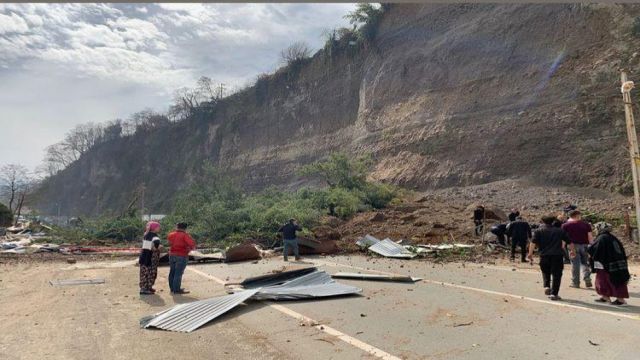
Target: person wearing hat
x=609 y=261
x=181 y=244
x=289 y=238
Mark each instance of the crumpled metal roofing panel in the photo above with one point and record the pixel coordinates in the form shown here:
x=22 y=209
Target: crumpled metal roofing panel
x=275 y=279
x=390 y=249
x=367 y=240
x=315 y=284
x=190 y=316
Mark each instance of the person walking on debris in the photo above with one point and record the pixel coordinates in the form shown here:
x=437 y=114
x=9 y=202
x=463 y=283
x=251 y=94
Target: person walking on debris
x=609 y=261
x=550 y=241
x=289 y=238
x=478 y=219
x=581 y=236
x=500 y=230
x=519 y=232
x=149 y=258
x=513 y=215
x=558 y=222
x=181 y=244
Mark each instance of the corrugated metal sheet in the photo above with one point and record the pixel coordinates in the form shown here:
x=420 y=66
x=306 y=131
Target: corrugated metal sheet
x=76 y=282
x=188 y=317
x=375 y=277
x=390 y=249
x=367 y=240
x=315 y=284
x=275 y=279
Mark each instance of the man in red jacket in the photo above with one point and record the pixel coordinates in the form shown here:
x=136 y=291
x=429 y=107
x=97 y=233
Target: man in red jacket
x=180 y=244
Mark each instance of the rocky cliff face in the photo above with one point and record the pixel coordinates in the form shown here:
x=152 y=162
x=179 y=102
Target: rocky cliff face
x=446 y=95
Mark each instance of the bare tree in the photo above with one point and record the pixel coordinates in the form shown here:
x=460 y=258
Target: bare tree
x=295 y=53
x=13 y=181
x=148 y=119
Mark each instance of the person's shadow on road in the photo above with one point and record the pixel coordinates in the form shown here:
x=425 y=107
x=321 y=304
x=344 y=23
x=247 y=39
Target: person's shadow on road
x=181 y=299
x=626 y=309
x=153 y=300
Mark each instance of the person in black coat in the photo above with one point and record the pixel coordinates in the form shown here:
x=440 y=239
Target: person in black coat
x=519 y=232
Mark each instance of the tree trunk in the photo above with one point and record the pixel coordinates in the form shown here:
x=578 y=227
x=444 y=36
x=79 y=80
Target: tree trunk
x=19 y=208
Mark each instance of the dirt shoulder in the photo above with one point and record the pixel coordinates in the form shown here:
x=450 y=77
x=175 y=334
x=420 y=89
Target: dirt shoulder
x=101 y=321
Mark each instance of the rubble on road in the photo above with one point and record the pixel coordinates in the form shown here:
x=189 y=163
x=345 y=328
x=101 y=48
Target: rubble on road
x=190 y=316
x=376 y=277
x=401 y=250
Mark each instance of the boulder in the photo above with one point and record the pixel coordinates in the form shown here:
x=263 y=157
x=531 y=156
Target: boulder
x=243 y=252
x=378 y=217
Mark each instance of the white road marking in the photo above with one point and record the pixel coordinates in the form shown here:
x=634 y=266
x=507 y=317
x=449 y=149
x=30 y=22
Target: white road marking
x=324 y=328
x=498 y=293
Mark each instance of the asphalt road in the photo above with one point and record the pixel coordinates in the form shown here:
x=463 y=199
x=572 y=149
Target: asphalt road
x=457 y=312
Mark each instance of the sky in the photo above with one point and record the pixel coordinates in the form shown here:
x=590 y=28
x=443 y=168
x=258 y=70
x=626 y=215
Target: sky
x=67 y=64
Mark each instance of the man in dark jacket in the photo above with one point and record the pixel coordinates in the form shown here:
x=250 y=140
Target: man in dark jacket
x=478 y=219
x=289 y=238
x=519 y=232
x=551 y=242
x=500 y=230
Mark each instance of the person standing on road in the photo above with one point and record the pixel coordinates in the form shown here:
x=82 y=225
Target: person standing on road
x=551 y=241
x=561 y=219
x=149 y=258
x=581 y=236
x=478 y=219
x=289 y=239
x=519 y=232
x=609 y=261
x=181 y=244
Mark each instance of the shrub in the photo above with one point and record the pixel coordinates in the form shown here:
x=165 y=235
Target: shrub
x=635 y=28
x=6 y=217
x=379 y=195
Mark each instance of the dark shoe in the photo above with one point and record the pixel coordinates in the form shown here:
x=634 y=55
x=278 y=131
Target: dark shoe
x=152 y=290
x=618 y=302
x=588 y=284
x=285 y=259
x=567 y=262
x=577 y=286
x=298 y=258
x=601 y=300
x=547 y=291
x=145 y=292
x=554 y=297
x=523 y=260
x=182 y=291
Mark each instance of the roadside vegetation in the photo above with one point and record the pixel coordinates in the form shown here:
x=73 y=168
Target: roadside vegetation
x=219 y=211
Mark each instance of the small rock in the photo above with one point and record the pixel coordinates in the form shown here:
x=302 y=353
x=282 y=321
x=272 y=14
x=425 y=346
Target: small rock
x=363 y=315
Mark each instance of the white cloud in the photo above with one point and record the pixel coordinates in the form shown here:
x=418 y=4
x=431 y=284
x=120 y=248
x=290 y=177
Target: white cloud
x=149 y=50
x=12 y=23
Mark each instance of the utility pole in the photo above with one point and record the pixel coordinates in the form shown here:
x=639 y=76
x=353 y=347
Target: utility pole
x=626 y=87
x=221 y=91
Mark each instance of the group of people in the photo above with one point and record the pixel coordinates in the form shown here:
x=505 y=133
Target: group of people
x=180 y=244
x=560 y=241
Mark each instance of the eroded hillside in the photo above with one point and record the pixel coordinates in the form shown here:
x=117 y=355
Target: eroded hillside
x=445 y=95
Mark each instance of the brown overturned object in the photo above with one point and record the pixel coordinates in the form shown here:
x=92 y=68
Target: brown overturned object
x=243 y=252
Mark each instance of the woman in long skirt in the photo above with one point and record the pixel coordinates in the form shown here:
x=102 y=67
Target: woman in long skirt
x=149 y=258
x=609 y=261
